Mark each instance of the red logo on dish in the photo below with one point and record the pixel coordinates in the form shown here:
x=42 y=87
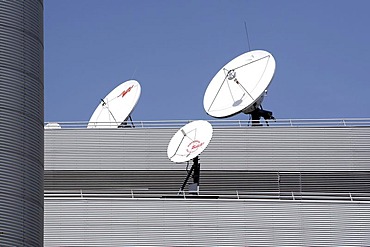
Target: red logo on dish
x=193 y=146
x=126 y=91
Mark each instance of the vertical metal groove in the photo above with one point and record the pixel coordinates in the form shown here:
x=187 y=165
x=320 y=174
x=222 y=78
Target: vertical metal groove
x=21 y=123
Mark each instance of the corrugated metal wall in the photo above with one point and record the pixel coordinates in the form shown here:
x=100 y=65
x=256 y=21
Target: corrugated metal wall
x=177 y=222
x=220 y=180
x=302 y=168
x=299 y=159
x=262 y=149
x=21 y=123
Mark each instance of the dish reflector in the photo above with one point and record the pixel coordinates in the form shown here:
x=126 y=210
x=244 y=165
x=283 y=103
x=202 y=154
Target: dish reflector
x=240 y=85
x=189 y=141
x=52 y=125
x=117 y=106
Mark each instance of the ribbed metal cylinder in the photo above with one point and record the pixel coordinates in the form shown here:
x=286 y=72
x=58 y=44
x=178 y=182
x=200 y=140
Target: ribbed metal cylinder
x=21 y=123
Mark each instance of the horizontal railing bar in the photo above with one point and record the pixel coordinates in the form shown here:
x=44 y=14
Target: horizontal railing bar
x=137 y=193
x=334 y=122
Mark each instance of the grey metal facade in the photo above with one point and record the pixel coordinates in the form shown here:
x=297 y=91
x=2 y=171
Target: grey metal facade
x=312 y=159
x=194 y=222
x=21 y=123
x=259 y=186
x=259 y=149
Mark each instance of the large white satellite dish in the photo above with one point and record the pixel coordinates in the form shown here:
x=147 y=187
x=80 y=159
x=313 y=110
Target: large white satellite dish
x=116 y=107
x=189 y=141
x=240 y=85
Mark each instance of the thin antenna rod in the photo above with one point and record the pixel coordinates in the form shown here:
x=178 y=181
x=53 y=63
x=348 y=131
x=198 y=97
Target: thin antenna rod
x=133 y=74
x=246 y=31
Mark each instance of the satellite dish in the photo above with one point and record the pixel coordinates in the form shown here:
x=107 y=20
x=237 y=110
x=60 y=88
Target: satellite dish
x=240 y=85
x=189 y=141
x=52 y=125
x=114 y=110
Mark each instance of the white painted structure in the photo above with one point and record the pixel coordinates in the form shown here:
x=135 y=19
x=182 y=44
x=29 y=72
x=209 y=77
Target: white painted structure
x=240 y=85
x=116 y=107
x=189 y=141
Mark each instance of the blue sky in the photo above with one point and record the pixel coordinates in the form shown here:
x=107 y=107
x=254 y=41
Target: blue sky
x=174 y=48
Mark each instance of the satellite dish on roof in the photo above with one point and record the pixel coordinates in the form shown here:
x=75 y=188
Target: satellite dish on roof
x=52 y=125
x=188 y=142
x=114 y=110
x=240 y=86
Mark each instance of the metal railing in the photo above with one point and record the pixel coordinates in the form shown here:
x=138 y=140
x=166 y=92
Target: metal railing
x=333 y=122
x=236 y=195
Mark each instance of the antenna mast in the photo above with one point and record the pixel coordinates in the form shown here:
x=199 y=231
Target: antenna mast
x=246 y=31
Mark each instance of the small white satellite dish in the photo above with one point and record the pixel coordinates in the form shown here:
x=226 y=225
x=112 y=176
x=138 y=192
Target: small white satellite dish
x=240 y=85
x=189 y=141
x=52 y=125
x=116 y=107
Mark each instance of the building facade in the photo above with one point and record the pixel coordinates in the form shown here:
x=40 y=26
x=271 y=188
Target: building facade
x=21 y=123
x=297 y=184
